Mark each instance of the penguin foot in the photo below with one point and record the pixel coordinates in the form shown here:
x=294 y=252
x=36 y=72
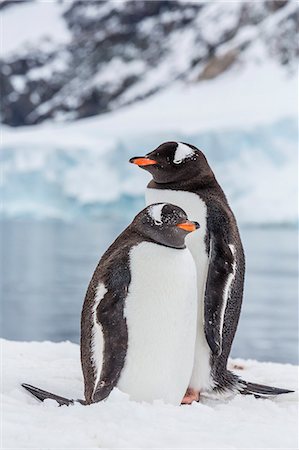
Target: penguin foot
x=238 y=367
x=191 y=396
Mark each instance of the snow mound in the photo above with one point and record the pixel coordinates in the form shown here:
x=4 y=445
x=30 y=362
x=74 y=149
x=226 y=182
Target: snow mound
x=242 y=422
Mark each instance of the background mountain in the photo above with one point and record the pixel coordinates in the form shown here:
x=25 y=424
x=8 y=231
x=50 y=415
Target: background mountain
x=70 y=60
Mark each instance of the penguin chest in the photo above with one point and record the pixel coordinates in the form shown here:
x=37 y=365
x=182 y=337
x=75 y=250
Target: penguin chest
x=196 y=209
x=161 y=313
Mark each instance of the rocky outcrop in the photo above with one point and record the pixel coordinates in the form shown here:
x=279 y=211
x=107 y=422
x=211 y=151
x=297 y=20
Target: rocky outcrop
x=121 y=52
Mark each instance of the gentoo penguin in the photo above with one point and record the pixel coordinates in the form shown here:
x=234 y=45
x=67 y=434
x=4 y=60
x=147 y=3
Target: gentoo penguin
x=139 y=318
x=182 y=176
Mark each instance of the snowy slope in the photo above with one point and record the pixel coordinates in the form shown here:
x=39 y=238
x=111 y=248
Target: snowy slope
x=80 y=59
x=242 y=422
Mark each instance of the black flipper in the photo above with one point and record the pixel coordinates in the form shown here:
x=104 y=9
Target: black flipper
x=220 y=267
x=110 y=314
x=44 y=395
x=260 y=390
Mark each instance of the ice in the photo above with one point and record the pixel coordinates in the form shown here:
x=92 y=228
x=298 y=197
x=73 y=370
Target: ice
x=242 y=422
x=75 y=170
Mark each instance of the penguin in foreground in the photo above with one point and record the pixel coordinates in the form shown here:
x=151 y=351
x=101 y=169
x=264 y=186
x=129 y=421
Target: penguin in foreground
x=182 y=176
x=139 y=318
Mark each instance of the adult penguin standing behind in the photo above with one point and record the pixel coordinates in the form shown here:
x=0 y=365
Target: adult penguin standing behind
x=182 y=176
x=138 y=324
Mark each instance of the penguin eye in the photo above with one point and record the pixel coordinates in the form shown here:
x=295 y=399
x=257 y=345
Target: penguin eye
x=158 y=222
x=177 y=161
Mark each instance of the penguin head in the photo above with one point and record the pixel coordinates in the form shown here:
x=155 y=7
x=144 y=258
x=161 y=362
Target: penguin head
x=174 y=162
x=164 y=224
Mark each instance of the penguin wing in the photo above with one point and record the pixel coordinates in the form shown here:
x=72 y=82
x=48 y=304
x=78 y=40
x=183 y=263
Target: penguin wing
x=216 y=293
x=110 y=315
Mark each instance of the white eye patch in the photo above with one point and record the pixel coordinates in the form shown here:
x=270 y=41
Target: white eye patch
x=155 y=212
x=182 y=152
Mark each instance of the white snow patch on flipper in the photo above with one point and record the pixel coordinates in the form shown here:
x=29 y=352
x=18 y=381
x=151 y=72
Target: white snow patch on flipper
x=97 y=340
x=182 y=152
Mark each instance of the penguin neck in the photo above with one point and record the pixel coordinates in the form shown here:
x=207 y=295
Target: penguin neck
x=140 y=237
x=196 y=183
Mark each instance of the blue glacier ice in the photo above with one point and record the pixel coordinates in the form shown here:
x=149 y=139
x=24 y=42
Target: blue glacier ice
x=47 y=178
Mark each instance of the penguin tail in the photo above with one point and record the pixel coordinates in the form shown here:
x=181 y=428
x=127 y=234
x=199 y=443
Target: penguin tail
x=260 y=390
x=232 y=384
x=42 y=395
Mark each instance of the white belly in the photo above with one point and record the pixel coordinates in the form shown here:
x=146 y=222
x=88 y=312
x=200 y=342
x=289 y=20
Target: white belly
x=196 y=210
x=161 y=313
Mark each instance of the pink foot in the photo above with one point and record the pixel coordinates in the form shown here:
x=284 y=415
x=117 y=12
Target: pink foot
x=238 y=367
x=190 y=396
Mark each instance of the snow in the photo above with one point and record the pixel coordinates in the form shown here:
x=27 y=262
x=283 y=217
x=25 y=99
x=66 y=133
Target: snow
x=239 y=98
x=211 y=24
x=46 y=17
x=257 y=94
x=58 y=64
x=241 y=422
x=18 y=83
x=218 y=19
x=116 y=71
x=181 y=47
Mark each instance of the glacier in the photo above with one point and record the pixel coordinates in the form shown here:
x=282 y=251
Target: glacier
x=68 y=173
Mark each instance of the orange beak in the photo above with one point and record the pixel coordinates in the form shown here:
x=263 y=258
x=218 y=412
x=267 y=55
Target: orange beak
x=188 y=226
x=143 y=161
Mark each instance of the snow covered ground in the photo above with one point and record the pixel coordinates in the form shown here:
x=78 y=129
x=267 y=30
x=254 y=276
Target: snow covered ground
x=243 y=422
